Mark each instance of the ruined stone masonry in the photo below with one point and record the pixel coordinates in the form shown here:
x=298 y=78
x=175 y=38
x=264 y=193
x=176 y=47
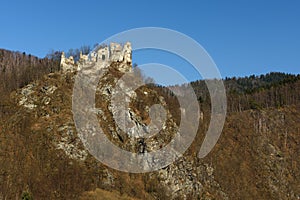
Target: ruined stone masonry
x=115 y=52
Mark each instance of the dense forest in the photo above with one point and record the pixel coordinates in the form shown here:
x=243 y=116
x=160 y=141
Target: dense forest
x=271 y=90
x=18 y=69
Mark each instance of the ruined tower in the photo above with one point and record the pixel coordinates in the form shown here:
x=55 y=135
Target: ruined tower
x=115 y=52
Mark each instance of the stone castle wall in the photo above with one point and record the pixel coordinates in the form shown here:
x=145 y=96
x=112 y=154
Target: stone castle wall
x=115 y=52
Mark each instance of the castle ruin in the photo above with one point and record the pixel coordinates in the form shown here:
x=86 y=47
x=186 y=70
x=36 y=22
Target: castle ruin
x=115 y=52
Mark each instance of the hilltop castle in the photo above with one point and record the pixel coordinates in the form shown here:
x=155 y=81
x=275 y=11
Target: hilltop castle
x=115 y=52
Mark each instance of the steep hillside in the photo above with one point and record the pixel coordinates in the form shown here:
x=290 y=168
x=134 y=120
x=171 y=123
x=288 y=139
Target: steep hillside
x=41 y=155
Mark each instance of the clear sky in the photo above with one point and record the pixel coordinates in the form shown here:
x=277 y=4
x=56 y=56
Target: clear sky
x=243 y=37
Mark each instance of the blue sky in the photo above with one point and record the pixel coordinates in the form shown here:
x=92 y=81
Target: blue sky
x=243 y=37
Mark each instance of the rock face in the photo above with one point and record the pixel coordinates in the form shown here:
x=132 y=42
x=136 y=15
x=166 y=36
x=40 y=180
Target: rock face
x=115 y=52
x=25 y=99
x=69 y=142
x=188 y=177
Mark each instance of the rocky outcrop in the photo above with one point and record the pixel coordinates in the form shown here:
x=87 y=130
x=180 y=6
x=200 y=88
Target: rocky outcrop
x=69 y=142
x=188 y=177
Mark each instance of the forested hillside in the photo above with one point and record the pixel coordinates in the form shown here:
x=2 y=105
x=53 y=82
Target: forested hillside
x=18 y=69
x=272 y=90
x=42 y=157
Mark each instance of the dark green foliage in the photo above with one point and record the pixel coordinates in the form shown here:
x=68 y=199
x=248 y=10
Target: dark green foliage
x=250 y=84
x=254 y=92
x=26 y=196
x=254 y=105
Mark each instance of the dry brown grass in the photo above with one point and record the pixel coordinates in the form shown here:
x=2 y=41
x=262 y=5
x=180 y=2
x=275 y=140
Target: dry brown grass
x=100 y=194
